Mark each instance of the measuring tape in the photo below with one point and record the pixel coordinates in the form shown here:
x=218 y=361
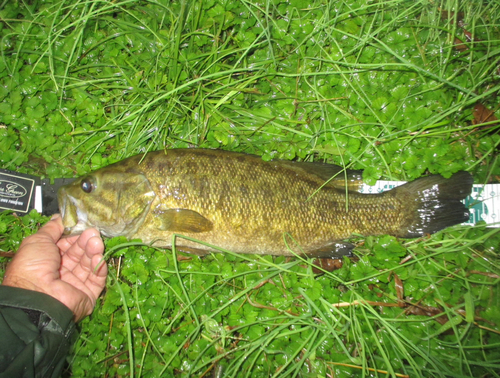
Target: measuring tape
x=483 y=202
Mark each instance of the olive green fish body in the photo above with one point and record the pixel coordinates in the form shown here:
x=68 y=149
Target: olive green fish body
x=246 y=205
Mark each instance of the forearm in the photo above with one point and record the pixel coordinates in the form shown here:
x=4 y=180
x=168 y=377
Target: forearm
x=35 y=333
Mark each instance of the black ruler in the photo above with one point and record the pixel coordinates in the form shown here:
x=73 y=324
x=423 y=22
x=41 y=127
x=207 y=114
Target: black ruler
x=22 y=193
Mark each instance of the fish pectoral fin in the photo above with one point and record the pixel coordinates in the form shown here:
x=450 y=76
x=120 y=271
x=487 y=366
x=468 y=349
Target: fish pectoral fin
x=332 y=250
x=182 y=220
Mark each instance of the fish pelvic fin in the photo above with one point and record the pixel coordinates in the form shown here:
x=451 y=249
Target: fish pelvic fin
x=434 y=203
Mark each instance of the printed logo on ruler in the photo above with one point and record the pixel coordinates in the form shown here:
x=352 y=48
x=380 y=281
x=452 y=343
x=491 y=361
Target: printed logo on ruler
x=15 y=191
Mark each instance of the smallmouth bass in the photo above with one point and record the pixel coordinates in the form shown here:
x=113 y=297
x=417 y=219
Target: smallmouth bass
x=244 y=204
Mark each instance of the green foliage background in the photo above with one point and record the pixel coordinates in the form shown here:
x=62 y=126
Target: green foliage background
x=382 y=86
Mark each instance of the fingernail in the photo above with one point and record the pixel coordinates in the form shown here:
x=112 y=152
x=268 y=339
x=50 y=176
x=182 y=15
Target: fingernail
x=55 y=216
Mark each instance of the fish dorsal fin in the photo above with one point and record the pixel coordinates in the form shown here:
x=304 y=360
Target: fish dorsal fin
x=181 y=220
x=327 y=171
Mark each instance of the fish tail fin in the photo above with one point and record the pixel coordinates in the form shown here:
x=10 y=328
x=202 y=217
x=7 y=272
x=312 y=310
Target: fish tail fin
x=436 y=203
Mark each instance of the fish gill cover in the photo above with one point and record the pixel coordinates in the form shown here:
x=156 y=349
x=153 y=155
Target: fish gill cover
x=399 y=89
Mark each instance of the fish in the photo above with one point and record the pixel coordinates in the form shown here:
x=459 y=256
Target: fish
x=239 y=202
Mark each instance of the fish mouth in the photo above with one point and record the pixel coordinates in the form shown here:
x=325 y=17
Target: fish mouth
x=74 y=220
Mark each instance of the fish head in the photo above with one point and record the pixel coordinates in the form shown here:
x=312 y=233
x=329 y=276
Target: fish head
x=113 y=200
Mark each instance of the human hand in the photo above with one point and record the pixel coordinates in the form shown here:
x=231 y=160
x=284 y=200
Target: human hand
x=62 y=268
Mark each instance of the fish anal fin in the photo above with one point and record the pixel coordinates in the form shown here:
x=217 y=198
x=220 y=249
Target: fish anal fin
x=193 y=251
x=333 y=250
x=181 y=220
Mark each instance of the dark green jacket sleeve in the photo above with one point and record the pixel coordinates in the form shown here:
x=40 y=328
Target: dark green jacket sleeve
x=35 y=334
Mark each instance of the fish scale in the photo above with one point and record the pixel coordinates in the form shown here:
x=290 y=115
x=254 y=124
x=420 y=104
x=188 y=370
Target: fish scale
x=241 y=203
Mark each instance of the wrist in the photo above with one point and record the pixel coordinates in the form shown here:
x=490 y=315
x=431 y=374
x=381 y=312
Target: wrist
x=20 y=282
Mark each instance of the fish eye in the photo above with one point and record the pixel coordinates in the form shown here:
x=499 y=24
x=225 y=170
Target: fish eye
x=87 y=185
